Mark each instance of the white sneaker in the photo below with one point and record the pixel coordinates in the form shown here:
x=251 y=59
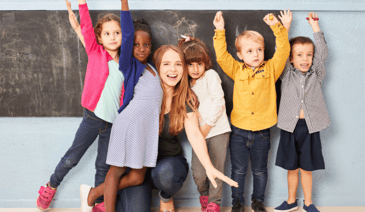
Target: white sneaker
x=84 y=193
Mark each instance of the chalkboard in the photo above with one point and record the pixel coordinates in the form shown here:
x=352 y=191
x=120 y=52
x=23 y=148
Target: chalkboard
x=43 y=64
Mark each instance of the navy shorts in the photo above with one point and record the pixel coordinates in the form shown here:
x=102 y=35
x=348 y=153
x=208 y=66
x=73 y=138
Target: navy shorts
x=300 y=149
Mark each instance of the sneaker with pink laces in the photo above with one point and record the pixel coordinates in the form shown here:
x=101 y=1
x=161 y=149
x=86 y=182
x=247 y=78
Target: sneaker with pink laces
x=204 y=202
x=212 y=207
x=45 y=197
x=99 y=208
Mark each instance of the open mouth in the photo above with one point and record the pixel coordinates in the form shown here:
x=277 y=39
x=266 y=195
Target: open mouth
x=304 y=65
x=172 y=76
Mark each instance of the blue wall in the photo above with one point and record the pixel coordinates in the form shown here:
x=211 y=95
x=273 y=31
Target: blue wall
x=31 y=147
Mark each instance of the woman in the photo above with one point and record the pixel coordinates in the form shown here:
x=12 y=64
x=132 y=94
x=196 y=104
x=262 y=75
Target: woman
x=178 y=111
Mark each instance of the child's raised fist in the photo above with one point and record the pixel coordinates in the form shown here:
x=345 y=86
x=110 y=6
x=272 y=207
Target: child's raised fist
x=218 y=21
x=270 y=19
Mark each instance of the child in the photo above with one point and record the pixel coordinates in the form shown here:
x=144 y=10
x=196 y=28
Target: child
x=214 y=124
x=254 y=104
x=102 y=96
x=134 y=137
x=302 y=115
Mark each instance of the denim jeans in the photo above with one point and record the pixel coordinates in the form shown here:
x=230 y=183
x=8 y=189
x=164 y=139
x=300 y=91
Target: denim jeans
x=245 y=145
x=135 y=198
x=90 y=127
x=169 y=175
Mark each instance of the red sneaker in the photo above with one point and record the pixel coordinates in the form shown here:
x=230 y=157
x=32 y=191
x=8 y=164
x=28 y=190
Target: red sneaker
x=212 y=207
x=99 y=208
x=45 y=197
x=204 y=202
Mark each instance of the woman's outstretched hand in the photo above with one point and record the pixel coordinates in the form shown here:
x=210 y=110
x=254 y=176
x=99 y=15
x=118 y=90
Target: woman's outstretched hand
x=213 y=173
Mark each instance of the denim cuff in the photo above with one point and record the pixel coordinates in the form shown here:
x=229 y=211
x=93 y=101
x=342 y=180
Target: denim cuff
x=163 y=199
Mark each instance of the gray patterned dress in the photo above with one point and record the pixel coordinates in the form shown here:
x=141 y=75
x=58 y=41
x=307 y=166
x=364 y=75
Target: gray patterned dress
x=134 y=137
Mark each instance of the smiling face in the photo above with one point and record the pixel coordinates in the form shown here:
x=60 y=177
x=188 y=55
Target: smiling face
x=111 y=36
x=142 y=46
x=196 y=70
x=171 y=69
x=301 y=56
x=251 y=52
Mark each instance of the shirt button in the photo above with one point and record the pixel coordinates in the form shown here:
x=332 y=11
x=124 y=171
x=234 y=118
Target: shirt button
x=302 y=86
x=252 y=113
x=302 y=101
x=252 y=93
x=296 y=116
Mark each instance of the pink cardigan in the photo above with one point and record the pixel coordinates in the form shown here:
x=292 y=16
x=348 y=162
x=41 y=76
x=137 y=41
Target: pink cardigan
x=97 y=67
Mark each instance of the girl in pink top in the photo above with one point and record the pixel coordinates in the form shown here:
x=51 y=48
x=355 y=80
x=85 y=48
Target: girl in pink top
x=102 y=97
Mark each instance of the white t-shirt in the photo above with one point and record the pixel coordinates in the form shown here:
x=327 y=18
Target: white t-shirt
x=212 y=106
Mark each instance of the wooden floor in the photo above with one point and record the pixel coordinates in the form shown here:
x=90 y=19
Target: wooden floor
x=186 y=209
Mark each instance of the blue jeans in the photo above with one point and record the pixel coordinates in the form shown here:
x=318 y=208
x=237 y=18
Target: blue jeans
x=90 y=127
x=168 y=176
x=135 y=198
x=245 y=145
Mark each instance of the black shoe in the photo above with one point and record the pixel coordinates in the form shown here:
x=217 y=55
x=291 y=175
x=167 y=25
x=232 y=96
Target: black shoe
x=257 y=206
x=237 y=207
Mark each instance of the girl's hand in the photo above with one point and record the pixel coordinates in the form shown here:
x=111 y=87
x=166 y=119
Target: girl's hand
x=71 y=16
x=218 y=21
x=312 y=22
x=286 y=17
x=205 y=129
x=270 y=19
x=213 y=173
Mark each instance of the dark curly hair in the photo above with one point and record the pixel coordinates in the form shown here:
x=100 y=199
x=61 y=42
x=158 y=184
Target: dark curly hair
x=141 y=24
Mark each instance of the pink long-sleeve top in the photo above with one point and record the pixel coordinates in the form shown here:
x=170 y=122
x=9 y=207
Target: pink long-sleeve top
x=97 y=70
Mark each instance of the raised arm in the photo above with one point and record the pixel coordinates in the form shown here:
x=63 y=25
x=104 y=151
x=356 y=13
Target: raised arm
x=225 y=60
x=126 y=49
x=286 y=17
x=74 y=23
x=278 y=61
x=87 y=29
x=321 y=50
x=199 y=145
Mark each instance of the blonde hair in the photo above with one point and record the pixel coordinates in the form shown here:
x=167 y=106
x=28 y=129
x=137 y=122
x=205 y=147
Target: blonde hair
x=249 y=34
x=182 y=94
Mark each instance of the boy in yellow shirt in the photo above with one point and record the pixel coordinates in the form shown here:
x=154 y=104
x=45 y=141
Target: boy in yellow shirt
x=254 y=103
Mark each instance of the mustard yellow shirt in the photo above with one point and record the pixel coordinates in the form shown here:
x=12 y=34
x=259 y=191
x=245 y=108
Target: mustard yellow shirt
x=254 y=95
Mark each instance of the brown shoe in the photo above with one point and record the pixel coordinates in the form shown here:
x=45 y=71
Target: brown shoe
x=167 y=206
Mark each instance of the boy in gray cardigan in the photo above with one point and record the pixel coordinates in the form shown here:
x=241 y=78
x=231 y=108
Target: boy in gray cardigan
x=302 y=114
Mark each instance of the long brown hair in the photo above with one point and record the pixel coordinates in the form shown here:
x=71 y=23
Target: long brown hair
x=182 y=93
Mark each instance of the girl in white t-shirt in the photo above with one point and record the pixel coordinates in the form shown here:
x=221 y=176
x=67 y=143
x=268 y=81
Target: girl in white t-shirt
x=213 y=122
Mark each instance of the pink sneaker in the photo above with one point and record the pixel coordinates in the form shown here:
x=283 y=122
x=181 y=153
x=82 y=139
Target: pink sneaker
x=45 y=197
x=212 y=207
x=204 y=202
x=99 y=208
